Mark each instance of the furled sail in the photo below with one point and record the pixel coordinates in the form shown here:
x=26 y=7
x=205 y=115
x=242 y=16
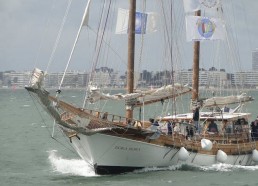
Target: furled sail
x=222 y=101
x=153 y=95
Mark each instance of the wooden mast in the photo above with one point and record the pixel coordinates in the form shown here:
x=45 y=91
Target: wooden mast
x=195 y=91
x=131 y=46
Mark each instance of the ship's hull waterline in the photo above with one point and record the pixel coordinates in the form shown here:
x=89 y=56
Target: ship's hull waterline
x=112 y=154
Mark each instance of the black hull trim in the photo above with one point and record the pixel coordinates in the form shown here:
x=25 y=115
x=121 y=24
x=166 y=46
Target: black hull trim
x=106 y=170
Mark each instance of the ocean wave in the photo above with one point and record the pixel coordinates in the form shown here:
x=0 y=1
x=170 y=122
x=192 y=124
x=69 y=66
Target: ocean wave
x=75 y=167
x=213 y=168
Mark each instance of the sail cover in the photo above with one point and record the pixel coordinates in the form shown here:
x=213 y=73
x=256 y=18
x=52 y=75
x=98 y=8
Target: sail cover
x=165 y=92
x=222 y=101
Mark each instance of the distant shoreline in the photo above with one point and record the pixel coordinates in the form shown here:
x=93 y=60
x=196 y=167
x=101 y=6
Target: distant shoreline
x=55 y=88
x=124 y=89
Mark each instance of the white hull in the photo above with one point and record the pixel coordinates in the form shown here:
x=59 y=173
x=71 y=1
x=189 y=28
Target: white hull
x=112 y=153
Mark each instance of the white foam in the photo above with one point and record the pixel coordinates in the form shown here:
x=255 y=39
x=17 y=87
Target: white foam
x=75 y=167
x=216 y=167
x=26 y=105
x=150 y=169
x=227 y=167
x=79 y=167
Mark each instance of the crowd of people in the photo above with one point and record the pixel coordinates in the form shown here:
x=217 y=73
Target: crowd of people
x=173 y=126
x=191 y=127
x=187 y=128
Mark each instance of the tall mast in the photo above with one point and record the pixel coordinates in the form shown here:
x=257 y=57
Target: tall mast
x=195 y=91
x=131 y=46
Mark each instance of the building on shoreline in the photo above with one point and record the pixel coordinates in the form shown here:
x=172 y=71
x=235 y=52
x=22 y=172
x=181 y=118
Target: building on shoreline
x=207 y=78
x=105 y=77
x=72 y=79
x=248 y=79
x=15 y=79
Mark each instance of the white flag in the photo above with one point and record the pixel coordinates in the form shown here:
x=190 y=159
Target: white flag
x=144 y=22
x=204 y=28
x=85 y=18
x=151 y=25
x=122 y=21
x=194 y=5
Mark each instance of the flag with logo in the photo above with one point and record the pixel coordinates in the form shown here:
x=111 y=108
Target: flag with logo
x=204 y=28
x=144 y=22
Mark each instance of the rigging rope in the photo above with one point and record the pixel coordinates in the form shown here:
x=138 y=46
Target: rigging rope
x=43 y=121
x=59 y=34
x=75 y=42
x=45 y=31
x=99 y=42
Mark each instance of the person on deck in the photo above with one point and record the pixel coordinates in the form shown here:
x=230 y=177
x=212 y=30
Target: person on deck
x=151 y=120
x=196 y=117
x=254 y=129
x=128 y=122
x=105 y=116
x=189 y=132
x=169 y=127
x=213 y=127
x=177 y=128
x=154 y=124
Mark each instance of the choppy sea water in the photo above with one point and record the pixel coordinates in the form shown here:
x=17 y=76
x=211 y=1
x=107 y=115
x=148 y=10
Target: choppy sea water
x=29 y=156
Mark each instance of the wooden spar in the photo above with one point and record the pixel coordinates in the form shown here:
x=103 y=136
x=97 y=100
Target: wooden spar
x=140 y=104
x=195 y=92
x=131 y=46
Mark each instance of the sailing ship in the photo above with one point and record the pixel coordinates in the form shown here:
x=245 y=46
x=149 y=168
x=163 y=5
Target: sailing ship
x=115 y=144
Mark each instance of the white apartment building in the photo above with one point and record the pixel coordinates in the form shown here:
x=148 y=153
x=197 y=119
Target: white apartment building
x=18 y=79
x=105 y=77
x=206 y=78
x=72 y=79
x=246 y=78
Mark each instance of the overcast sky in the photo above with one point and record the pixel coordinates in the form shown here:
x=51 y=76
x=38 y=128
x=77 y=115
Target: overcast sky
x=29 y=29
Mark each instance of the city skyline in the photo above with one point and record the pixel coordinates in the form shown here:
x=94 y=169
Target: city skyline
x=105 y=77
